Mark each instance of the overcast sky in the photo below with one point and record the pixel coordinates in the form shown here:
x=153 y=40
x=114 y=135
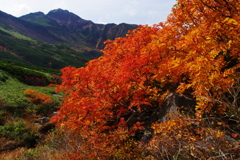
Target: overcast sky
x=98 y=11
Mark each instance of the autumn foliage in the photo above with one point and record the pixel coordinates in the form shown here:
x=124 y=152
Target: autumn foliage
x=196 y=51
x=38 y=98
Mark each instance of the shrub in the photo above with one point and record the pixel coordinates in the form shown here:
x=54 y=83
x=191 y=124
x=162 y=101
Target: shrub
x=42 y=103
x=38 y=98
x=35 y=80
x=3 y=76
x=16 y=107
x=19 y=132
x=31 y=154
x=2 y=116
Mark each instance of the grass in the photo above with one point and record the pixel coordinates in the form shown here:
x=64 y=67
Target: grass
x=19 y=132
x=29 y=74
x=13 y=97
x=18 y=116
x=31 y=52
x=16 y=34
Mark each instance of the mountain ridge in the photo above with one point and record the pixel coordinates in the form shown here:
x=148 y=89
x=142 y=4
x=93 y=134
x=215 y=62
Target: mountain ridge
x=35 y=30
x=92 y=33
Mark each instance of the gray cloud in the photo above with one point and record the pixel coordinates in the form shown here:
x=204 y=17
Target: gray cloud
x=104 y=11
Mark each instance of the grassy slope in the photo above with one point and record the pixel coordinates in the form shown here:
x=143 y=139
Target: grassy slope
x=18 y=114
x=22 y=57
x=26 y=61
x=12 y=97
x=18 y=48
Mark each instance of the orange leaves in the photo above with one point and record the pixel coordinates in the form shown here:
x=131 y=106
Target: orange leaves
x=234 y=135
x=38 y=98
x=195 y=50
x=165 y=127
x=29 y=92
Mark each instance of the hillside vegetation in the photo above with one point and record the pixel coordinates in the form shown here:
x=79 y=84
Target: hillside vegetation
x=15 y=47
x=32 y=50
x=55 y=40
x=168 y=91
x=23 y=101
x=113 y=106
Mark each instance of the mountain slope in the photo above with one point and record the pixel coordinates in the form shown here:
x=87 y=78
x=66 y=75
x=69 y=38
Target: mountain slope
x=18 y=48
x=94 y=34
x=71 y=28
x=35 y=38
x=32 y=30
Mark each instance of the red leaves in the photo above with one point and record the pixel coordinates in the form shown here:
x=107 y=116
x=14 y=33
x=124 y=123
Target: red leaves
x=139 y=70
x=122 y=123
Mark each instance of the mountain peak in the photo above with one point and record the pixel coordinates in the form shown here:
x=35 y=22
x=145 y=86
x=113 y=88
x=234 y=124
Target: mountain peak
x=39 y=13
x=60 y=14
x=62 y=26
x=34 y=14
x=59 y=10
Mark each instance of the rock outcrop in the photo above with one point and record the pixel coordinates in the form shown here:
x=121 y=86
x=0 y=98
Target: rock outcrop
x=167 y=110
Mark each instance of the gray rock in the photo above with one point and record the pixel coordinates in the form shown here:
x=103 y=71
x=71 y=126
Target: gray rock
x=44 y=120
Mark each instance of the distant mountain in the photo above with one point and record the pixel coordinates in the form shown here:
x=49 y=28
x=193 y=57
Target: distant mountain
x=33 y=30
x=70 y=28
x=95 y=34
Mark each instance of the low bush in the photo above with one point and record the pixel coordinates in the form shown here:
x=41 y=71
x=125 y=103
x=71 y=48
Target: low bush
x=42 y=103
x=15 y=105
x=19 y=132
x=29 y=75
x=3 y=115
x=3 y=76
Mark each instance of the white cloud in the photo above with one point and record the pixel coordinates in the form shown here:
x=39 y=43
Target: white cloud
x=130 y=10
x=17 y=9
x=23 y=8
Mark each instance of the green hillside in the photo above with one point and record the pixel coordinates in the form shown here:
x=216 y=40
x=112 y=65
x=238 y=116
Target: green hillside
x=39 y=18
x=24 y=99
x=33 y=49
x=15 y=47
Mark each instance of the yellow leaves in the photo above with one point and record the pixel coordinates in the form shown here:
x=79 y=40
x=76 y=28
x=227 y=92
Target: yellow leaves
x=62 y=125
x=206 y=132
x=29 y=92
x=183 y=86
x=230 y=21
x=213 y=54
x=228 y=72
x=183 y=45
x=208 y=38
x=146 y=66
x=219 y=133
x=162 y=97
x=169 y=126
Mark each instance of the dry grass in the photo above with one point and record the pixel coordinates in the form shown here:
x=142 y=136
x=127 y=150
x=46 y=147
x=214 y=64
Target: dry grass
x=11 y=155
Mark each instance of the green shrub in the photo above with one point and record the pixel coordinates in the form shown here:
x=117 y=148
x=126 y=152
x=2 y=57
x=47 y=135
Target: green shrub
x=32 y=154
x=25 y=75
x=19 y=132
x=16 y=103
x=2 y=117
x=3 y=76
x=13 y=100
x=46 y=109
x=16 y=108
